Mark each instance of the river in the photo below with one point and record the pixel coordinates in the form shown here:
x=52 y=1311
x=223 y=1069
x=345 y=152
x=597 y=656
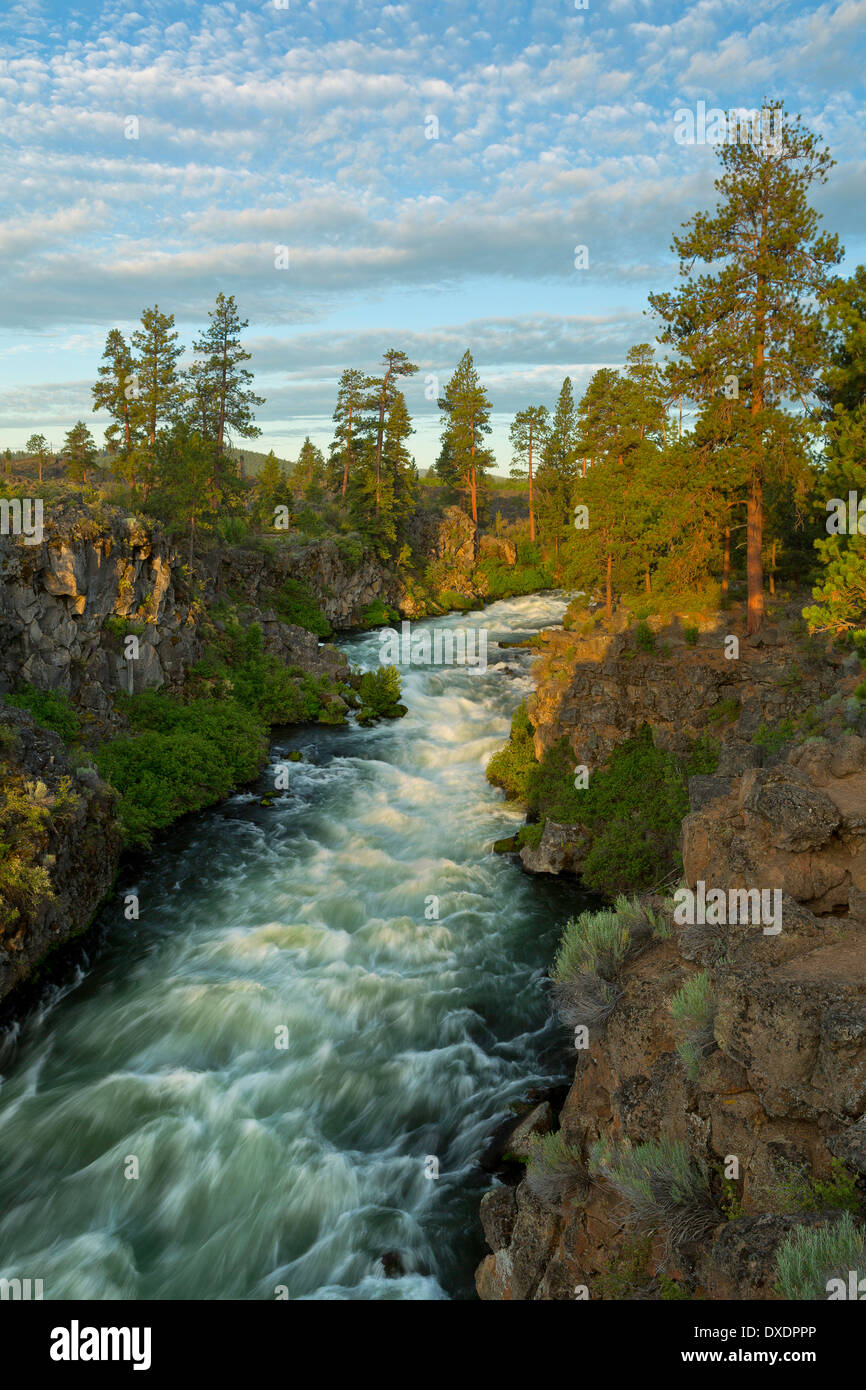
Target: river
x=288 y=1043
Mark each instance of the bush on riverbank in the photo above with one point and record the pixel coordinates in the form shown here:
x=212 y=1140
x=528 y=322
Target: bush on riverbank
x=180 y=758
x=50 y=708
x=510 y=767
x=632 y=808
x=236 y=666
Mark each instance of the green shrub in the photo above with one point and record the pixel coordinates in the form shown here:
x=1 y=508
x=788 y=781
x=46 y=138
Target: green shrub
x=294 y=602
x=530 y=835
x=510 y=767
x=795 y=1190
x=378 y=614
x=694 y=1009
x=811 y=1256
x=181 y=758
x=555 y=1170
x=771 y=739
x=50 y=709
x=727 y=710
x=691 y=635
x=25 y=820
x=232 y=529
x=594 y=941
x=550 y=789
x=591 y=951
x=236 y=666
x=380 y=694
x=634 y=808
x=645 y=638
x=663 y=1186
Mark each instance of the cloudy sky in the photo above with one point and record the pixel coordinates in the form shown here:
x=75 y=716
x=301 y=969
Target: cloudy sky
x=430 y=167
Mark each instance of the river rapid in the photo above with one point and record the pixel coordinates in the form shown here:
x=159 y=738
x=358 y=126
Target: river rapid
x=289 y=1041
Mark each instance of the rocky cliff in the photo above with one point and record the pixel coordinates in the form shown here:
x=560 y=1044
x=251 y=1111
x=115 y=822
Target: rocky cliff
x=60 y=846
x=597 y=690
x=719 y=1094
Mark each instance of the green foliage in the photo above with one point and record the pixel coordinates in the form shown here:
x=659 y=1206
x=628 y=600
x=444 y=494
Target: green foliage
x=509 y=581
x=511 y=766
x=550 y=787
x=555 y=1170
x=530 y=835
x=634 y=808
x=795 y=1190
x=810 y=1257
x=644 y=636
x=726 y=710
x=236 y=666
x=627 y=1270
x=380 y=692
x=694 y=1009
x=664 y=1187
x=122 y=627
x=25 y=821
x=232 y=529
x=772 y=738
x=50 y=708
x=351 y=549
x=691 y=635
x=180 y=758
x=594 y=942
x=294 y=602
x=378 y=614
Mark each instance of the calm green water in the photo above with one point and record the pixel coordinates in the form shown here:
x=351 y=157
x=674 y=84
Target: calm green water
x=407 y=1037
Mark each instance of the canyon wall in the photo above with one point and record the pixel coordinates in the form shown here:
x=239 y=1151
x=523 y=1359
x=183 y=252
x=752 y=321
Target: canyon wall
x=779 y=1082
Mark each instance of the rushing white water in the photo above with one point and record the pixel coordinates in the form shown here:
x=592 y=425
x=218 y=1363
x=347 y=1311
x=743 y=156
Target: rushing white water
x=261 y=1166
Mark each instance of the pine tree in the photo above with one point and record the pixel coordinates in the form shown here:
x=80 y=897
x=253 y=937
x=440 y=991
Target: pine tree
x=37 y=447
x=528 y=434
x=350 y=398
x=117 y=392
x=756 y=319
x=840 y=593
x=155 y=358
x=397 y=364
x=467 y=414
x=79 y=452
x=224 y=378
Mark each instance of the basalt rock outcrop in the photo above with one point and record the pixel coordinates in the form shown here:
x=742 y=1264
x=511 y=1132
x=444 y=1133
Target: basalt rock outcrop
x=598 y=690
x=100 y=575
x=61 y=845
x=776 y=1092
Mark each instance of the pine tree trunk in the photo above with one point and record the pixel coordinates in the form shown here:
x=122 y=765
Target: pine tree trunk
x=531 y=512
x=647 y=581
x=608 y=594
x=726 y=561
x=754 y=568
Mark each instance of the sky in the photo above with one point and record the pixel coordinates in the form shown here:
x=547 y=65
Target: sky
x=429 y=168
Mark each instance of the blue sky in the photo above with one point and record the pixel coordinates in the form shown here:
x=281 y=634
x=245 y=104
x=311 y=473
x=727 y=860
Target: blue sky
x=307 y=126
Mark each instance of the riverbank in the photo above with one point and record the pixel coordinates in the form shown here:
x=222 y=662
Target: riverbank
x=713 y=1126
